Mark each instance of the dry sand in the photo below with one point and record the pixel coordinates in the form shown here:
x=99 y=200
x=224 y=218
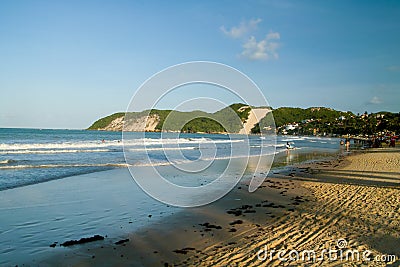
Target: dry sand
x=307 y=207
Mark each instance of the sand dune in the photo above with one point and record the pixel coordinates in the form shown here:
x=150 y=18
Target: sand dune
x=255 y=116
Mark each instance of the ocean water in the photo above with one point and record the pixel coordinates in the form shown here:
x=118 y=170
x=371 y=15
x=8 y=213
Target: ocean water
x=58 y=185
x=30 y=156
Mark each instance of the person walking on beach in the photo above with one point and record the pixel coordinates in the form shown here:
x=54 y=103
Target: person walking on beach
x=392 y=142
x=288 y=146
x=347 y=145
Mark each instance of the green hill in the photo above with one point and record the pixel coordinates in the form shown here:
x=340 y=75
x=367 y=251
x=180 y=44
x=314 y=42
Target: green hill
x=104 y=122
x=288 y=120
x=229 y=119
x=326 y=121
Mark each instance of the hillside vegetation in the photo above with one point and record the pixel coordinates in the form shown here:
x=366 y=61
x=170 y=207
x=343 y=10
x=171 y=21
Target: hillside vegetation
x=326 y=121
x=288 y=120
x=229 y=119
x=104 y=122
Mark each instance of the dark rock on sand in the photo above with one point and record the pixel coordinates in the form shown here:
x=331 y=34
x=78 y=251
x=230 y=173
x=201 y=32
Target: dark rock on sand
x=122 y=241
x=249 y=211
x=236 y=222
x=234 y=212
x=209 y=226
x=242 y=209
x=269 y=205
x=82 y=240
x=183 y=251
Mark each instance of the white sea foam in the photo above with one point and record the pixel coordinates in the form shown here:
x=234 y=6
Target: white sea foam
x=7 y=161
x=161 y=148
x=293 y=138
x=44 y=166
x=28 y=151
x=57 y=151
x=279 y=145
x=64 y=146
x=268 y=145
x=137 y=164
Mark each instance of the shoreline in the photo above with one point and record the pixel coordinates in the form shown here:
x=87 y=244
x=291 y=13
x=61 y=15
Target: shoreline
x=299 y=208
x=192 y=230
x=287 y=194
x=318 y=153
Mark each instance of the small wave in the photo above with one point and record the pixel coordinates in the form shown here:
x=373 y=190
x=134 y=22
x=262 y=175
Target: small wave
x=279 y=145
x=137 y=164
x=161 y=148
x=268 y=145
x=177 y=162
x=293 y=138
x=45 y=166
x=70 y=147
x=65 y=145
x=57 y=151
x=7 y=161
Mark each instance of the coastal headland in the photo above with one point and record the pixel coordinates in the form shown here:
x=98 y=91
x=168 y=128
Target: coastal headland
x=245 y=119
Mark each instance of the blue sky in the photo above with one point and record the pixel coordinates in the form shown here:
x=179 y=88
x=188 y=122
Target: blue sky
x=63 y=64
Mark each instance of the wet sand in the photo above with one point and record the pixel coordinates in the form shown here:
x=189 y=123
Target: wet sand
x=354 y=200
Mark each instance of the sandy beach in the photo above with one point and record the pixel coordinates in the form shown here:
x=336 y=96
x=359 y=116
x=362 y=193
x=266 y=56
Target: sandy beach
x=351 y=203
x=199 y=133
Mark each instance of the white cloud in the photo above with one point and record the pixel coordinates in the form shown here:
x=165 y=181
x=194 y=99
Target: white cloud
x=375 y=100
x=273 y=35
x=262 y=50
x=244 y=28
